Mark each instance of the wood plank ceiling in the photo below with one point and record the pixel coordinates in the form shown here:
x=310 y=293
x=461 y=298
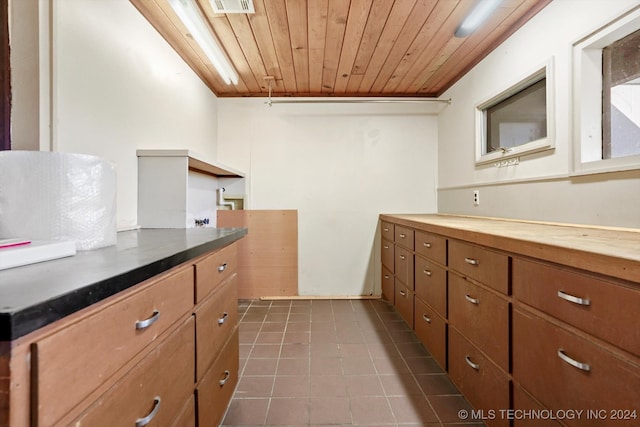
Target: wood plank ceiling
x=361 y=48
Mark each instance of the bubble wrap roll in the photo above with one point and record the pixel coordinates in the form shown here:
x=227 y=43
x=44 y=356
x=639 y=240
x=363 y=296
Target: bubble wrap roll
x=58 y=196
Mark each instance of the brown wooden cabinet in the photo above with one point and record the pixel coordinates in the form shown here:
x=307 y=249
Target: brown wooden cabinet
x=414 y=280
x=532 y=319
x=141 y=354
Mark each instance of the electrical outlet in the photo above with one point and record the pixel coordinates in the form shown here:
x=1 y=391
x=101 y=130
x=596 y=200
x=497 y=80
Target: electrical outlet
x=476 y=197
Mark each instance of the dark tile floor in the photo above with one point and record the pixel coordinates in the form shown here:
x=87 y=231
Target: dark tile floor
x=337 y=362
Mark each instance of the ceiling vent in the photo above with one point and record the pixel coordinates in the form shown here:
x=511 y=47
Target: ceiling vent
x=233 y=6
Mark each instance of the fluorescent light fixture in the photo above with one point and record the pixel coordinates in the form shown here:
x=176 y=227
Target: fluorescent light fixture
x=482 y=10
x=191 y=17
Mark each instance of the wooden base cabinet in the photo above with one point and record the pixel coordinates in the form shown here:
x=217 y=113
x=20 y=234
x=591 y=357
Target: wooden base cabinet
x=538 y=323
x=155 y=354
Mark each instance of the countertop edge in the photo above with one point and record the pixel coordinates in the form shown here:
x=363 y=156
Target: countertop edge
x=16 y=324
x=589 y=242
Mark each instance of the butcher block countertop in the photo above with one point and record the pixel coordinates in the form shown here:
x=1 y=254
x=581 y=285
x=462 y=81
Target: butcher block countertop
x=604 y=250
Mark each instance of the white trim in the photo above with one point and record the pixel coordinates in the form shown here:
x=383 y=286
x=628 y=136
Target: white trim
x=587 y=97
x=544 y=71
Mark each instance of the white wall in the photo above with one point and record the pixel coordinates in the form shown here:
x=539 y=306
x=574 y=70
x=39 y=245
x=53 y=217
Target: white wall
x=540 y=187
x=340 y=166
x=118 y=87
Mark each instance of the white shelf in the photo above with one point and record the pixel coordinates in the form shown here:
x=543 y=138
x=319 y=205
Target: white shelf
x=196 y=162
x=177 y=188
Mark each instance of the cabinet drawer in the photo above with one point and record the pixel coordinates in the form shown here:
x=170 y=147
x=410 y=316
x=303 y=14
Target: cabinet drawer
x=543 y=354
x=216 y=319
x=604 y=309
x=481 y=264
x=431 y=329
x=214 y=268
x=431 y=246
x=404 y=266
x=404 y=302
x=216 y=388
x=73 y=362
x=157 y=387
x=187 y=416
x=404 y=237
x=388 y=292
x=482 y=317
x=486 y=387
x=431 y=284
x=523 y=405
x=387 y=254
x=387 y=231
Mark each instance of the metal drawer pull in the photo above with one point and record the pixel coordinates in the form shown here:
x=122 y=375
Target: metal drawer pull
x=573 y=362
x=385 y=229
x=142 y=324
x=470 y=363
x=475 y=301
x=222 y=267
x=403 y=235
x=403 y=293
x=386 y=246
x=141 y=422
x=403 y=257
x=223 y=381
x=427 y=245
x=471 y=261
x=222 y=319
x=575 y=300
x=386 y=276
x=427 y=272
x=426 y=318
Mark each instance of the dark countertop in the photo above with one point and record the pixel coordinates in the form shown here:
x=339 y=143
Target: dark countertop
x=36 y=295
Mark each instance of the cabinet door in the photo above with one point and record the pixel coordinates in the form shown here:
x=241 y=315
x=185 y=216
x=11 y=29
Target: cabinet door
x=486 y=386
x=156 y=388
x=404 y=302
x=387 y=253
x=388 y=292
x=431 y=329
x=387 y=230
x=404 y=237
x=404 y=267
x=431 y=246
x=605 y=309
x=214 y=269
x=216 y=319
x=566 y=371
x=527 y=412
x=187 y=416
x=431 y=284
x=482 y=317
x=481 y=264
x=76 y=360
x=216 y=388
